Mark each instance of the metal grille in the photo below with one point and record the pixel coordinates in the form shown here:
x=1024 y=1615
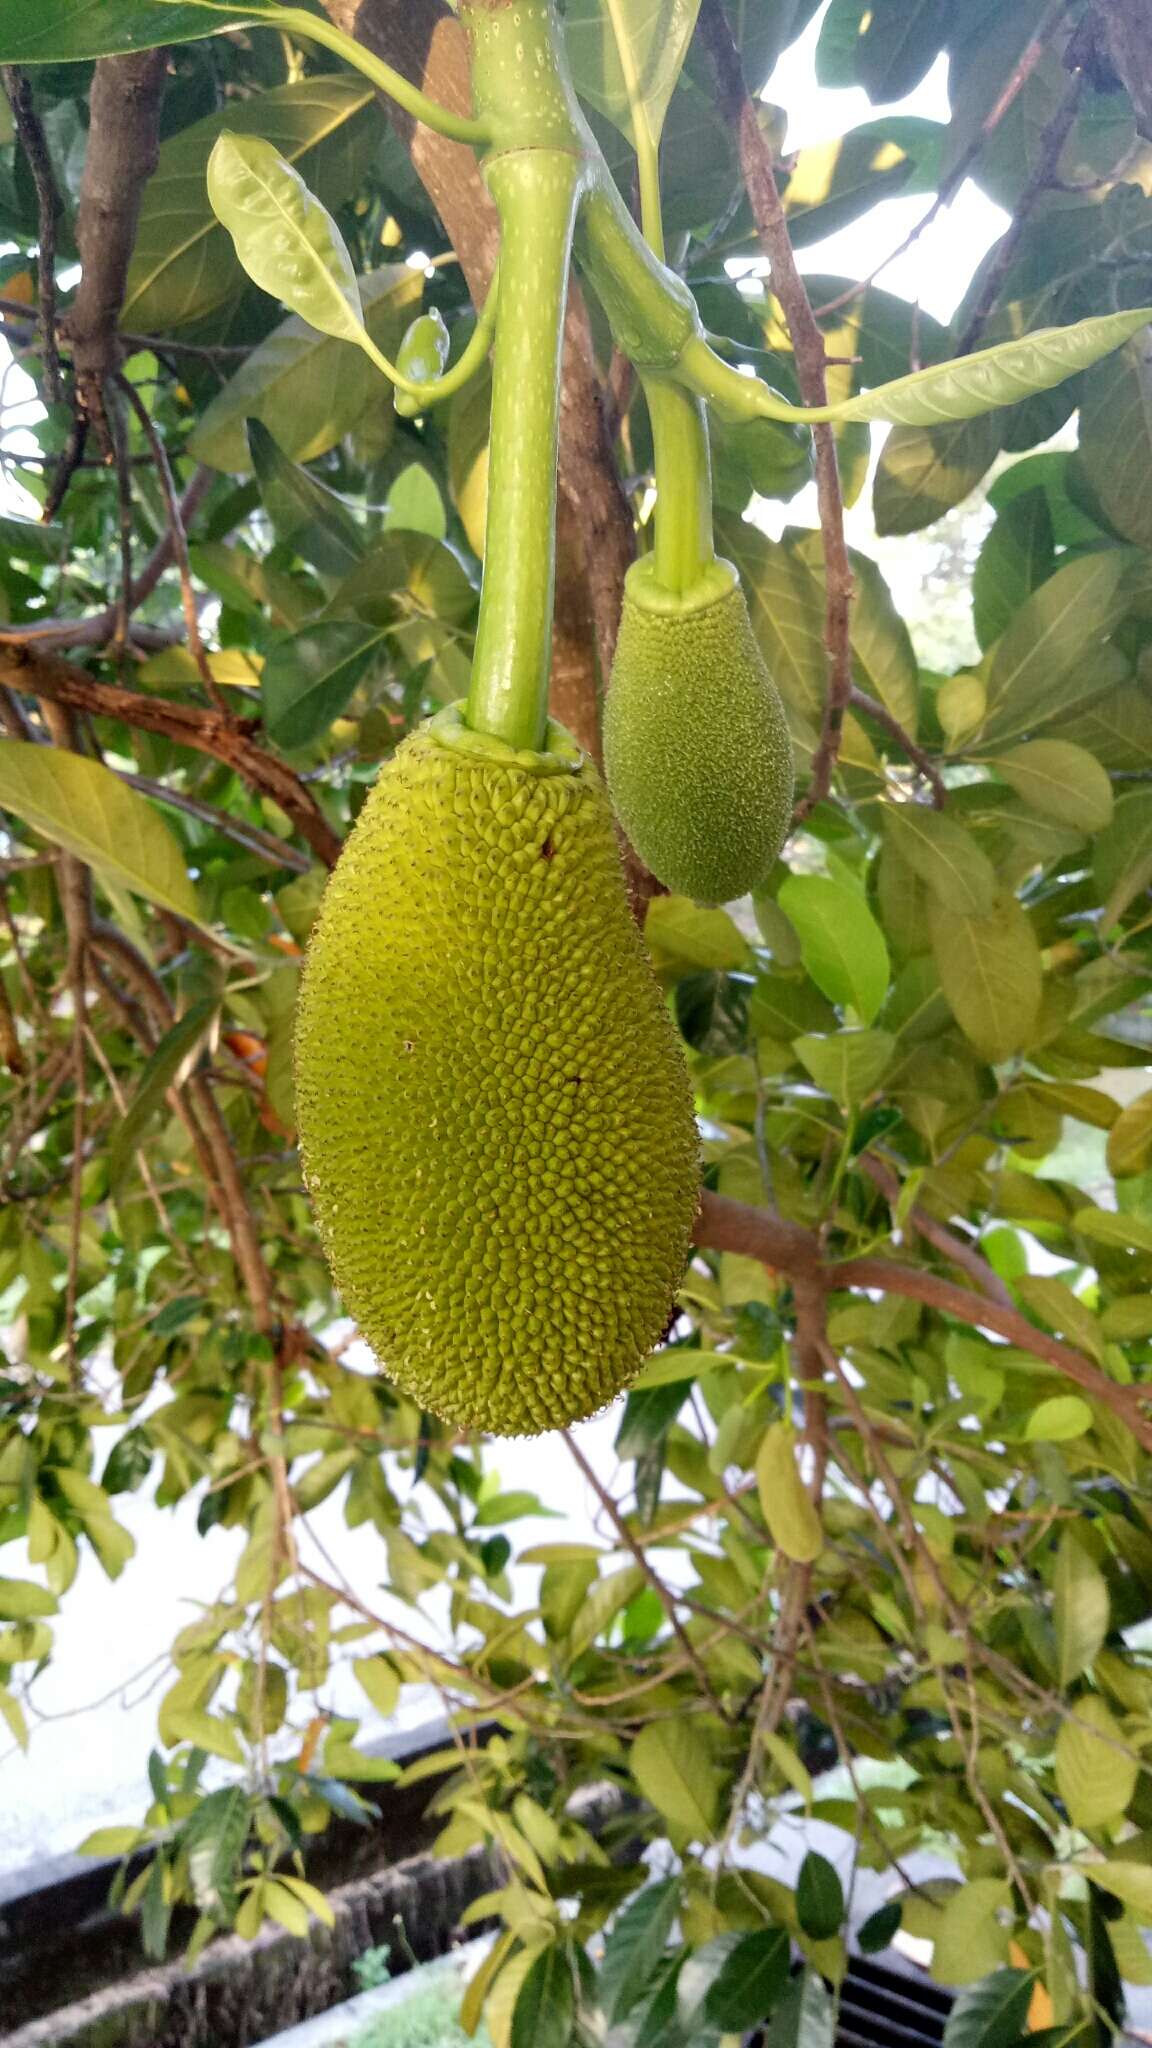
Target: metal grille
x=882 y=2009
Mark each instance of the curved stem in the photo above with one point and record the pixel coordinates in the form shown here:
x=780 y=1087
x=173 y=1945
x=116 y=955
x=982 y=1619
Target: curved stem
x=457 y=127
x=435 y=389
x=536 y=191
x=683 y=529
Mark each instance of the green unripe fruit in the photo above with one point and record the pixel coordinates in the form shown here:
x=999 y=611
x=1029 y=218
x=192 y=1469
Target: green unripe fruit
x=495 y=1117
x=696 y=745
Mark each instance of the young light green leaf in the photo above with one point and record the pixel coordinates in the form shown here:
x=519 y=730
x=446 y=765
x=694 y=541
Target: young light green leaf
x=970 y=385
x=841 y=943
x=1037 y=668
x=992 y=974
x=785 y=1503
x=1080 y=1608
x=175 y=1051
x=1131 y=1882
x=672 y=1764
x=1059 y=1421
x=287 y=242
x=1096 y=1772
x=969 y=1940
x=308 y=389
x=629 y=50
x=82 y=806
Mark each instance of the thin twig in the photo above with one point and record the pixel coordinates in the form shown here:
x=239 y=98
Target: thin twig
x=179 y=546
x=880 y=714
x=936 y=1233
x=49 y=207
x=1052 y=140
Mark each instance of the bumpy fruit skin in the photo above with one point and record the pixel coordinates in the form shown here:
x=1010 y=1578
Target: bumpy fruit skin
x=696 y=745
x=495 y=1117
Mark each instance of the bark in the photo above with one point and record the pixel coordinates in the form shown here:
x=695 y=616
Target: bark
x=1128 y=31
x=123 y=148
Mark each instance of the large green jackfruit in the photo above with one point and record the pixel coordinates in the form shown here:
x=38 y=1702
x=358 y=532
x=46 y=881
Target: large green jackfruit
x=495 y=1117
x=696 y=745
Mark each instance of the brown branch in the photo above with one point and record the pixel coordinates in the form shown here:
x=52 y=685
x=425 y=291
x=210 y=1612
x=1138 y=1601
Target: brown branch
x=808 y=351
x=1051 y=146
x=886 y=1277
x=726 y=1225
x=880 y=715
x=45 y=675
x=1022 y=71
x=934 y=1232
x=250 y=837
x=49 y=206
x=123 y=148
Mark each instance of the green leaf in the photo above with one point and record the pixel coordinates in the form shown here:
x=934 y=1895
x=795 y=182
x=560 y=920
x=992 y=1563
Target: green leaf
x=1038 y=668
x=21 y=1600
x=1122 y=856
x=1130 y=1139
x=924 y=471
x=819 y=1897
x=975 y=384
x=678 y=930
x=306 y=388
x=213 y=1840
x=786 y=610
x=635 y=1945
x=28 y=540
x=111 y=1842
x=184 y=266
x=205 y=1731
x=785 y=1503
x=71 y=31
x=84 y=807
x=993 y=2013
x=945 y=856
x=509 y=1507
x=1131 y=1882
x=1096 y=1772
x=1017 y=556
x=1059 y=1420
x=968 y=1938
x=1080 y=1609
x=380 y=1681
x=992 y=975
x=878 y=1929
x=545 y=2013
x=806 y=2018
x=1060 y=781
x=672 y=1763
x=287 y=242
x=848 y=1065
x=834 y=182
x=655 y=35
x=750 y=1981
x=1114 y=455
x=1102 y=1226
x=175 y=1052
x=841 y=944
x=308 y=680
x=317 y=523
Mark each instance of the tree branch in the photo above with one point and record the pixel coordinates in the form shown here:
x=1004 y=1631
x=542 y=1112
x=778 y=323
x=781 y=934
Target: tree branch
x=45 y=675
x=808 y=351
x=726 y=1225
x=1130 y=47
x=123 y=148
x=934 y=1232
x=880 y=715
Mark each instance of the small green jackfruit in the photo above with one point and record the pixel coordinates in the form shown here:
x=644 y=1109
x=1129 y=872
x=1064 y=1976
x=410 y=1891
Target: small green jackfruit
x=495 y=1116
x=697 y=751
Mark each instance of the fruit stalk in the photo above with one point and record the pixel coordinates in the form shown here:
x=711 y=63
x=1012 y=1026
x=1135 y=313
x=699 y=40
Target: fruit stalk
x=682 y=547
x=534 y=171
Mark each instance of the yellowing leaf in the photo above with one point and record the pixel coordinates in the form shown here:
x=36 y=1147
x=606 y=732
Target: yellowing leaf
x=784 y=1500
x=1095 y=1773
x=1059 y=780
x=1080 y=1608
x=1130 y=1139
x=992 y=974
x=672 y=1764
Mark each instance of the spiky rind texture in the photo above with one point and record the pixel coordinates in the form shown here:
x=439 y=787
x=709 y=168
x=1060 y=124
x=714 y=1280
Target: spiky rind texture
x=697 y=751
x=495 y=1116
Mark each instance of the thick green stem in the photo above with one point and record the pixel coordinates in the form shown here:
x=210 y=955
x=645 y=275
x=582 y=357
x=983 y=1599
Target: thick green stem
x=535 y=173
x=683 y=536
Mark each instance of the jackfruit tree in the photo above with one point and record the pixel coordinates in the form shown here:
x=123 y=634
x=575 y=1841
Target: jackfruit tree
x=497 y=923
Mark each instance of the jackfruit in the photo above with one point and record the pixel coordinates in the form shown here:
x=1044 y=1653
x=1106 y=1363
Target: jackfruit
x=697 y=752
x=495 y=1117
